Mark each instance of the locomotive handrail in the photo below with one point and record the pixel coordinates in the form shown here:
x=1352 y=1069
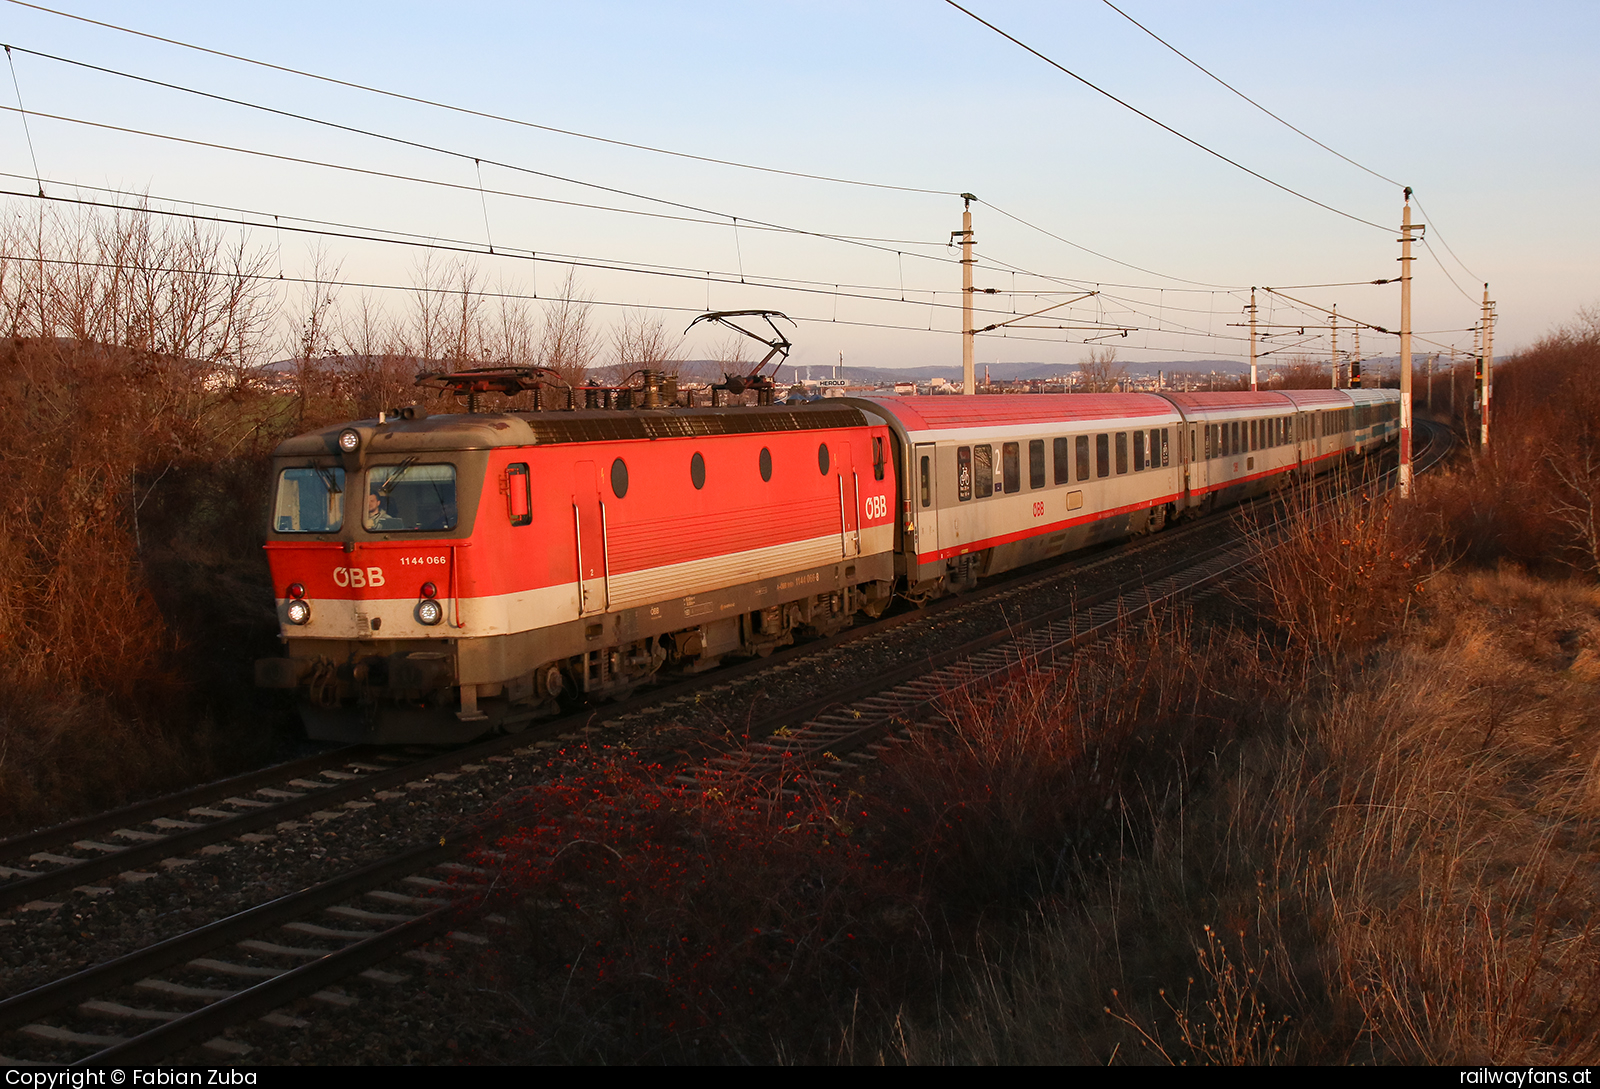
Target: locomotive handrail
x=605 y=556
x=577 y=531
x=855 y=482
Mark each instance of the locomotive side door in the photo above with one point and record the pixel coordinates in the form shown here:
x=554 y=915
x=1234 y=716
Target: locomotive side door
x=849 y=500
x=588 y=529
x=924 y=490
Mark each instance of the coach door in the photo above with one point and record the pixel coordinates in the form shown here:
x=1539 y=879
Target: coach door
x=589 y=537
x=925 y=497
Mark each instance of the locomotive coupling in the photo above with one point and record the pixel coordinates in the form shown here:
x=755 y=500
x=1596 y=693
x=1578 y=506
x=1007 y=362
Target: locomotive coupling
x=282 y=672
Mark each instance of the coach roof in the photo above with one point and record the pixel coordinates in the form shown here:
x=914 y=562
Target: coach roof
x=948 y=413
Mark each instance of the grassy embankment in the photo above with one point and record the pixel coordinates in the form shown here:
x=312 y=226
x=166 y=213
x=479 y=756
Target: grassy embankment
x=1359 y=826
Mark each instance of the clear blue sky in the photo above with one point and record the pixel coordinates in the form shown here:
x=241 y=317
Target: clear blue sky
x=1488 y=110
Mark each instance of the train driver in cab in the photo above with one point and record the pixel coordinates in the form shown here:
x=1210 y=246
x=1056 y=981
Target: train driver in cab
x=379 y=519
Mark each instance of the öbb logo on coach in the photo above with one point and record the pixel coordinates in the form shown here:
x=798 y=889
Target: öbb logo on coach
x=357 y=578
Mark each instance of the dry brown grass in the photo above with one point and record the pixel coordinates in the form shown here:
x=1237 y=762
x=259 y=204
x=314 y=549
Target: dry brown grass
x=1396 y=864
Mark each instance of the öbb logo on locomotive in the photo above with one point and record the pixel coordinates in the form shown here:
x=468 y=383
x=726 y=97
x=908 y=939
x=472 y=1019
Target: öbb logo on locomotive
x=443 y=575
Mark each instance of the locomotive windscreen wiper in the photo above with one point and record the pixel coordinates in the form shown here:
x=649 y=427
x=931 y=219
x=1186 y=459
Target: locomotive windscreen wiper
x=388 y=485
x=328 y=479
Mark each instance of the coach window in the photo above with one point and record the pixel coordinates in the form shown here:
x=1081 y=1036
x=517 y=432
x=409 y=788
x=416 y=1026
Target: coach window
x=1138 y=451
x=925 y=481
x=1122 y=452
x=1237 y=446
x=1082 y=448
x=1011 y=467
x=519 y=497
x=983 y=471
x=963 y=473
x=697 y=471
x=619 y=478
x=822 y=458
x=1061 y=454
x=1036 y=463
x=765 y=464
x=1102 y=455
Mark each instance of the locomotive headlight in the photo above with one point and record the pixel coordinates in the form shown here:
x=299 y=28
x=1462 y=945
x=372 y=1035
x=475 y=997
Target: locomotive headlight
x=429 y=611
x=298 y=611
x=349 y=440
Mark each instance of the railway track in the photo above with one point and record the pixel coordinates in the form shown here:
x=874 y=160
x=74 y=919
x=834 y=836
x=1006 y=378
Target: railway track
x=837 y=733
x=254 y=962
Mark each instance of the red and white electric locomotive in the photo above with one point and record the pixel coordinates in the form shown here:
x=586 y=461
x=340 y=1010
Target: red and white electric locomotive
x=441 y=576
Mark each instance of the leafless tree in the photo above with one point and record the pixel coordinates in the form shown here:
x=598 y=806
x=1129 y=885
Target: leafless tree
x=641 y=340
x=1100 y=371
x=1576 y=503
x=569 y=341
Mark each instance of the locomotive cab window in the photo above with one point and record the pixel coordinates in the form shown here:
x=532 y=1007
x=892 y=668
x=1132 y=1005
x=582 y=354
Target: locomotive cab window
x=877 y=457
x=409 y=497
x=310 y=500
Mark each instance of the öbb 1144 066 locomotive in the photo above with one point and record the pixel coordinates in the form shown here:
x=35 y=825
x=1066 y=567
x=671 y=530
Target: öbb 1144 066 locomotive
x=440 y=576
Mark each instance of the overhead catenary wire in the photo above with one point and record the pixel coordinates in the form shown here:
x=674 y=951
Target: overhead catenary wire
x=710 y=159
x=713 y=160
x=478 y=160
x=26 y=131
x=1163 y=125
x=433 y=243
x=1441 y=238
x=1291 y=127
x=359 y=231
x=468 y=111
x=1247 y=98
x=458 y=292
x=395 y=176
x=1096 y=253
